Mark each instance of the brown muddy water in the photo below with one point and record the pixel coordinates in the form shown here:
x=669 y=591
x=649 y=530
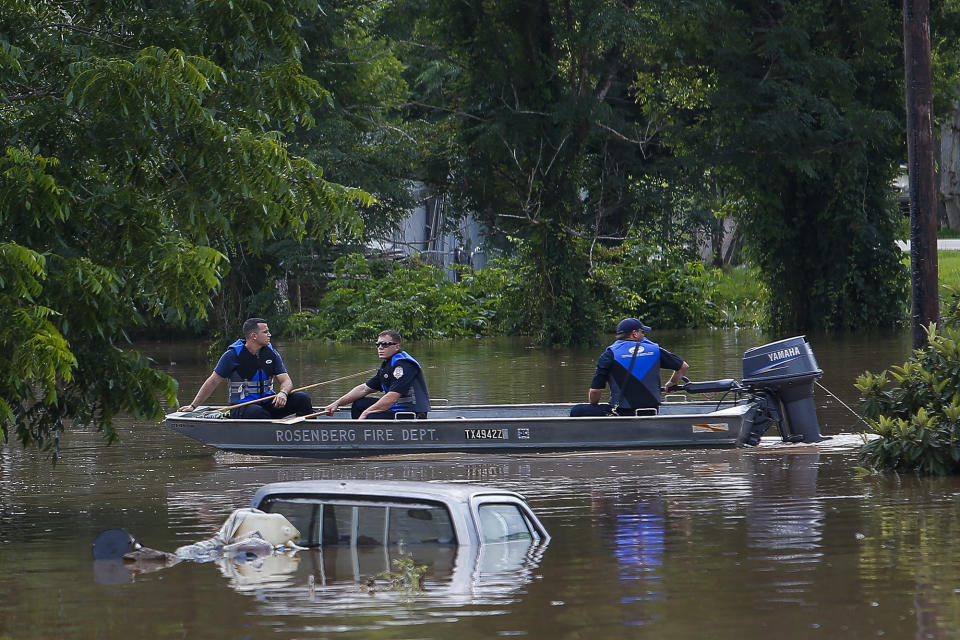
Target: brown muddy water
x=786 y=542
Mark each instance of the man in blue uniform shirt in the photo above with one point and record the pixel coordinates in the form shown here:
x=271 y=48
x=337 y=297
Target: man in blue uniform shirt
x=251 y=365
x=399 y=377
x=631 y=365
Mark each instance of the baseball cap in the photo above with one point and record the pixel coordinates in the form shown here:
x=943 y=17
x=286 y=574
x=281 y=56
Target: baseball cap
x=631 y=324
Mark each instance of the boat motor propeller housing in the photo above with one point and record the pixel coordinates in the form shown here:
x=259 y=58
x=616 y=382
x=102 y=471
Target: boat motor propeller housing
x=786 y=370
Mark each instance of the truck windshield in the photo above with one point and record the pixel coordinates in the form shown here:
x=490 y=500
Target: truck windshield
x=355 y=522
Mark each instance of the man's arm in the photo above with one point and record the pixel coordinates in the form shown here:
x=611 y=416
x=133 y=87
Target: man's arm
x=599 y=382
x=205 y=390
x=677 y=376
x=388 y=400
x=356 y=393
x=285 y=386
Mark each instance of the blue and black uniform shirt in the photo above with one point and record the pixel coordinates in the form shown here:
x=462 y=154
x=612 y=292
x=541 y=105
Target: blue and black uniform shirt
x=402 y=374
x=641 y=362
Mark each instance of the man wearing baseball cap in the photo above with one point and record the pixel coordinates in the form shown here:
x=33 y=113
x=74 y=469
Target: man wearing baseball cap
x=632 y=367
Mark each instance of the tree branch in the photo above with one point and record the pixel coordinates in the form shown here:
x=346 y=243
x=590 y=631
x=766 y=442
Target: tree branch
x=94 y=33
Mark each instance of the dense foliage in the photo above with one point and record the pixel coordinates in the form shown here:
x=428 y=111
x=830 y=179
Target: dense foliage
x=360 y=137
x=915 y=408
x=664 y=285
x=571 y=123
x=802 y=120
x=142 y=146
x=368 y=295
x=548 y=136
x=414 y=298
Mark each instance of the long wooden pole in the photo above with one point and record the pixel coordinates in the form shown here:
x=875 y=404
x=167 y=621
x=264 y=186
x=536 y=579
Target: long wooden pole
x=309 y=386
x=925 y=303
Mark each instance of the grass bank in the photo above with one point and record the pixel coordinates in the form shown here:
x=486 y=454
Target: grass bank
x=948 y=269
x=740 y=295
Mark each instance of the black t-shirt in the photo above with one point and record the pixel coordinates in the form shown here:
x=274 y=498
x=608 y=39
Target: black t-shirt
x=398 y=377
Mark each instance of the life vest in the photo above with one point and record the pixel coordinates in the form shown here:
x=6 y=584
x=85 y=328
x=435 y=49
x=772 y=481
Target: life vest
x=417 y=398
x=253 y=377
x=643 y=389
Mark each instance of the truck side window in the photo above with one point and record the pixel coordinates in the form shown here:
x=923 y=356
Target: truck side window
x=502 y=523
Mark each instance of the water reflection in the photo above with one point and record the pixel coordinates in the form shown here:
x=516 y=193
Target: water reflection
x=275 y=571
x=112 y=572
x=640 y=543
x=491 y=571
x=785 y=528
x=639 y=539
x=909 y=542
x=755 y=520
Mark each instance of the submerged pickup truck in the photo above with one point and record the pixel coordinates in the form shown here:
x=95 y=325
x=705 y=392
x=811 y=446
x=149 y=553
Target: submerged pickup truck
x=368 y=512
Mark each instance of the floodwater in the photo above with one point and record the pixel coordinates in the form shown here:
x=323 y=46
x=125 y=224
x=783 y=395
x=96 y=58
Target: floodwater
x=784 y=541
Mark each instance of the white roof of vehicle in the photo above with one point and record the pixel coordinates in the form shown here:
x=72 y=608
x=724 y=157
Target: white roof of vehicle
x=456 y=491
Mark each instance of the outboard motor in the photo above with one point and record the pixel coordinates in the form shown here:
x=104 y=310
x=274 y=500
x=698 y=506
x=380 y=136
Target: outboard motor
x=786 y=370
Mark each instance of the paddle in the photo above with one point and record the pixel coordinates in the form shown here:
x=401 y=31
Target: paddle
x=296 y=419
x=309 y=386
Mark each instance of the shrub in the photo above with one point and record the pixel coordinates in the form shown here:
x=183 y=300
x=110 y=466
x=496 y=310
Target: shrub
x=367 y=296
x=663 y=285
x=740 y=296
x=914 y=408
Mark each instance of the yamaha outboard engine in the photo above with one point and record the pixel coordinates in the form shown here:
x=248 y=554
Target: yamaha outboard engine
x=786 y=370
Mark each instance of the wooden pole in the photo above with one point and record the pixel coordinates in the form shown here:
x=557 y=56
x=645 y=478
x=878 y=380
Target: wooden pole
x=925 y=304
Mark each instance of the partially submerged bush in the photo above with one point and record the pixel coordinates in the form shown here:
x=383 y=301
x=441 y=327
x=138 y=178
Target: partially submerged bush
x=915 y=408
x=370 y=295
x=665 y=283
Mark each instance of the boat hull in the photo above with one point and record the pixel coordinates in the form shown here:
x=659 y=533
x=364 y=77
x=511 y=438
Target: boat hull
x=473 y=428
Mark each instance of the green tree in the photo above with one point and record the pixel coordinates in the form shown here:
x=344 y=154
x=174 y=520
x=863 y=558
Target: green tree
x=802 y=122
x=359 y=136
x=566 y=123
x=541 y=136
x=143 y=144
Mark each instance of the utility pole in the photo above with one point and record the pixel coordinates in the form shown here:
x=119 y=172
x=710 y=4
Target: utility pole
x=925 y=305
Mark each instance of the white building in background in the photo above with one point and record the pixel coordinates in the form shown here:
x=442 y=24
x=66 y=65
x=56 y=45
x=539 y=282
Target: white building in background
x=422 y=233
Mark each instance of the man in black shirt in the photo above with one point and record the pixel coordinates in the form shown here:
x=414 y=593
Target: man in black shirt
x=399 y=377
x=631 y=365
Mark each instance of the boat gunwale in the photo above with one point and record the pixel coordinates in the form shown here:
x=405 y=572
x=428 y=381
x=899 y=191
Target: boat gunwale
x=734 y=409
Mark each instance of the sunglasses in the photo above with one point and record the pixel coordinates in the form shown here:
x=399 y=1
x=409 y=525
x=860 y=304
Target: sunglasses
x=384 y=345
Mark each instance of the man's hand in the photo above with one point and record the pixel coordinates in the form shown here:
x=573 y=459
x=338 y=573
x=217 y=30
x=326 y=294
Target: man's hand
x=280 y=400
